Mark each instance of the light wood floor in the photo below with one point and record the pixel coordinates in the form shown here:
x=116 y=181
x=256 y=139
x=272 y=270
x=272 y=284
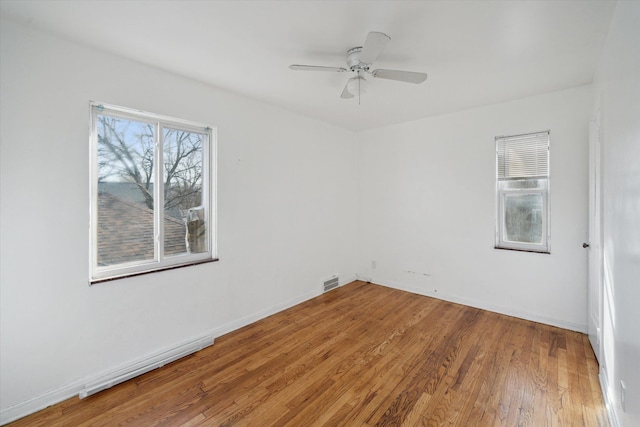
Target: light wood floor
x=363 y=355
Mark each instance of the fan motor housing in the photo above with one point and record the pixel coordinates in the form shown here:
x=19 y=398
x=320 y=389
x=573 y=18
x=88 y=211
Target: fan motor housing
x=353 y=60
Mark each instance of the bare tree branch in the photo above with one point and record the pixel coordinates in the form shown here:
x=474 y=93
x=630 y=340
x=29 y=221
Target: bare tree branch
x=129 y=155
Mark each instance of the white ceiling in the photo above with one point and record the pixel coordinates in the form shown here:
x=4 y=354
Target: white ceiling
x=475 y=52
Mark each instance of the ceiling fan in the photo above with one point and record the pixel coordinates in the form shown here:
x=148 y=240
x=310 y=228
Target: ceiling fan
x=359 y=60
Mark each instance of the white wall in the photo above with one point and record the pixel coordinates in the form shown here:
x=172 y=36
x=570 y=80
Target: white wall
x=618 y=100
x=287 y=202
x=427 y=209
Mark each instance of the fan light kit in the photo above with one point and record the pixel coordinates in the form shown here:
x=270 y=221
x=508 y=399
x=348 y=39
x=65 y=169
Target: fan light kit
x=359 y=60
x=357 y=85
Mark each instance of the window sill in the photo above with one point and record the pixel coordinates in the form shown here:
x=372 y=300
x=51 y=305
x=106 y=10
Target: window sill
x=522 y=250
x=140 y=273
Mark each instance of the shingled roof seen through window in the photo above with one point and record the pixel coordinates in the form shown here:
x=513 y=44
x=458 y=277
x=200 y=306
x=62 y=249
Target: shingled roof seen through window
x=125 y=232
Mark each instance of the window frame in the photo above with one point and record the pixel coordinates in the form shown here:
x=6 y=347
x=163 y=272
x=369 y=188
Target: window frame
x=160 y=261
x=502 y=193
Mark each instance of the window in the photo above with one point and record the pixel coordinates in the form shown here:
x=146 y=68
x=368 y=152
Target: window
x=152 y=192
x=522 y=192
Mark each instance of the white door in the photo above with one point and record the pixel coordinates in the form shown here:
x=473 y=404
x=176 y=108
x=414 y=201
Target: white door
x=594 y=246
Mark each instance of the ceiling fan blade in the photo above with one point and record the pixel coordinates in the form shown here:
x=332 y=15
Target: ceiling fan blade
x=373 y=45
x=345 y=92
x=401 y=76
x=316 y=68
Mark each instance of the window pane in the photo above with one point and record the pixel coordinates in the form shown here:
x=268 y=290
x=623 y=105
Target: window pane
x=125 y=190
x=184 y=215
x=523 y=218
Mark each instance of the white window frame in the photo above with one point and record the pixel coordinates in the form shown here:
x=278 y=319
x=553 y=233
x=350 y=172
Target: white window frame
x=160 y=262
x=503 y=193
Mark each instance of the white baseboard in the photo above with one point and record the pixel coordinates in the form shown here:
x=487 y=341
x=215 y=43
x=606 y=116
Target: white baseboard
x=104 y=380
x=153 y=361
x=37 y=403
x=251 y=318
x=363 y=278
x=349 y=279
x=146 y=364
x=606 y=395
x=509 y=311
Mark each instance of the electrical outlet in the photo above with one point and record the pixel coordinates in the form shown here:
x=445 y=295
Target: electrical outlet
x=623 y=396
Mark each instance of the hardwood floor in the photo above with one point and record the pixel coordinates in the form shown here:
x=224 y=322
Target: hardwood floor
x=363 y=355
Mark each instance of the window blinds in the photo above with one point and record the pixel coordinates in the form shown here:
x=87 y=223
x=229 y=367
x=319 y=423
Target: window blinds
x=523 y=156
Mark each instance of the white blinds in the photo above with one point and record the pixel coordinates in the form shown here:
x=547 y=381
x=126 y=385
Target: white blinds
x=523 y=156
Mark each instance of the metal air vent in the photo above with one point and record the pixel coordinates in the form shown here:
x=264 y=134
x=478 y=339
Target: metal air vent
x=331 y=283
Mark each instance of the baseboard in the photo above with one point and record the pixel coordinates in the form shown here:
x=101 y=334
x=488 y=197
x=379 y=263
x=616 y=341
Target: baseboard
x=251 y=318
x=86 y=385
x=509 y=311
x=104 y=380
x=349 y=279
x=363 y=278
x=37 y=403
x=144 y=365
x=604 y=386
x=254 y=317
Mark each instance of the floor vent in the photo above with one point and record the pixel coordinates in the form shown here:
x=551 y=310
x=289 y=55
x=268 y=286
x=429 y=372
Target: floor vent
x=331 y=283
